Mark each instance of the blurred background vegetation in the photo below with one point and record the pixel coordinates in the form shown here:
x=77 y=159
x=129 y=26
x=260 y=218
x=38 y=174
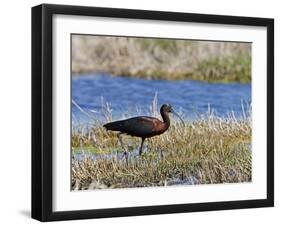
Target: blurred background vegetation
x=162 y=58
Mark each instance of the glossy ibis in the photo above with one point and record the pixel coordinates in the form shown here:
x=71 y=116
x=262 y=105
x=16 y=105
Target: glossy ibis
x=143 y=126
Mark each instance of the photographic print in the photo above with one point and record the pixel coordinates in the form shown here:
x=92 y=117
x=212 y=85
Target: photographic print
x=155 y=112
x=138 y=112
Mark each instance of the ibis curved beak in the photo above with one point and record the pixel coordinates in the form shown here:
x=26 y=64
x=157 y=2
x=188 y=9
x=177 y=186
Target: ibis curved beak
x=176 y=114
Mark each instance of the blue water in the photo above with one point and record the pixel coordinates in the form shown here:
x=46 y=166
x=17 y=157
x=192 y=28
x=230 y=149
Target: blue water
x=123 y=93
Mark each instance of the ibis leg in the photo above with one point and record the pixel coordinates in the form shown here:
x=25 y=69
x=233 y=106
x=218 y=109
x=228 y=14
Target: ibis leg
x=121 y=142
x=140 y=150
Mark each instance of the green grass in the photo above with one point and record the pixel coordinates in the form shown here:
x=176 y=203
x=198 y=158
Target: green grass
x=228 y=69
x=207 y=150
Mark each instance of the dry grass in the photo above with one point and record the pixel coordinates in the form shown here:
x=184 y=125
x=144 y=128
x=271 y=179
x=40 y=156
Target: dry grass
x=162 y=58
x=207 y=150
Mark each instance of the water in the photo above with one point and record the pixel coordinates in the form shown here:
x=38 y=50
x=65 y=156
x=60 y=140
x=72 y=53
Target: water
x=124 y=93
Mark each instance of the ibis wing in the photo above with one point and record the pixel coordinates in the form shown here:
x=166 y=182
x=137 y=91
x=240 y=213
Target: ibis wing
x=142 y=126
x=139 y=126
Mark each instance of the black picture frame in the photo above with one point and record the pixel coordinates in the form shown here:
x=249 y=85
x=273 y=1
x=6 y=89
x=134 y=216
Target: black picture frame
x=42 y=107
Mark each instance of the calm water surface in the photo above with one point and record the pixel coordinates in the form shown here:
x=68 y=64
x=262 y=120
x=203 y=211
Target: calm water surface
x=124 y=93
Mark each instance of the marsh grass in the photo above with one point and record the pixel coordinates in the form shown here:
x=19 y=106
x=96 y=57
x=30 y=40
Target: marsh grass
x=207 y=150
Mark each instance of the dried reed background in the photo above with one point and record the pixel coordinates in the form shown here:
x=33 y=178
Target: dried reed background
x=162 y=58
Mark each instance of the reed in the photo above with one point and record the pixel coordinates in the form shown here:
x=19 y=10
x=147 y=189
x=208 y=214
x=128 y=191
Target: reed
x=162 y=58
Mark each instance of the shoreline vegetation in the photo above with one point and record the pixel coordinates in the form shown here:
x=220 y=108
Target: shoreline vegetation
x=162 y=58
x=208 y=150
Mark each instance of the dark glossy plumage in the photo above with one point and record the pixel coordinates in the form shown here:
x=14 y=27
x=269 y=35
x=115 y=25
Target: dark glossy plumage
x=143 y=126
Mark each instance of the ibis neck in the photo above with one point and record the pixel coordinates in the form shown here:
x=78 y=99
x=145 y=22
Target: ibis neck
x=166 y=118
